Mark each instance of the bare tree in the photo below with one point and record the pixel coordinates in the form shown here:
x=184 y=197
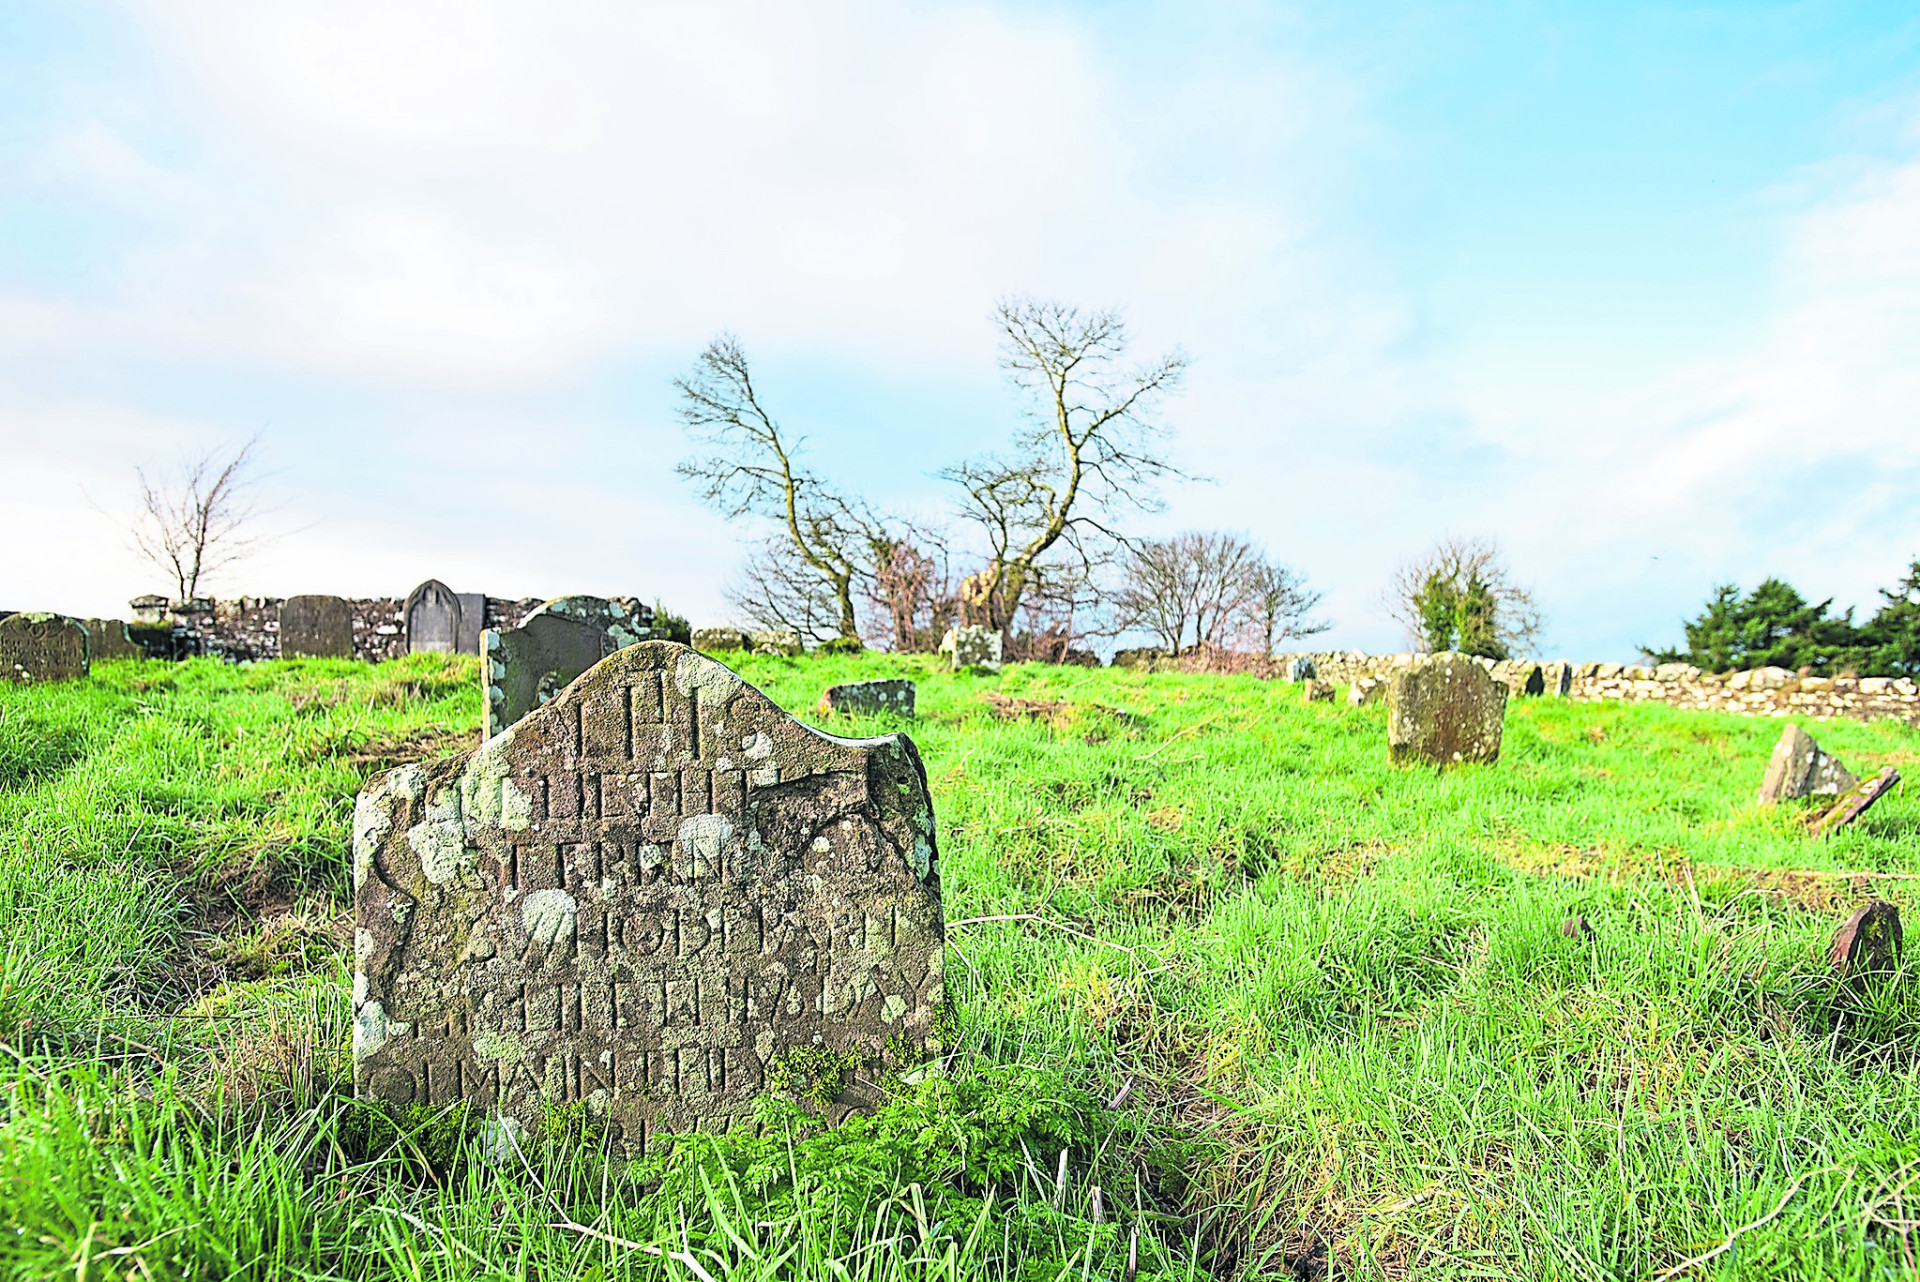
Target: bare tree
x=912 y=599
x=195 y=521
x=824 y=535
x=774 y=589
x=1280 y=606
x=1216 y=590
x=1088 y=450
x=1461 y=595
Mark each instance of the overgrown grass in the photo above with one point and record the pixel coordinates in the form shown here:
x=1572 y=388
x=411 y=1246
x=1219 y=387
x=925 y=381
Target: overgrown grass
x=1236 y=996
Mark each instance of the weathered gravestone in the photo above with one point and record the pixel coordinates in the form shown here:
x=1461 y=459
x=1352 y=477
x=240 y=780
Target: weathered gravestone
x=107 y=640
x=527 y=666
x=1446 y=711
x=783 y=641
x=1314 y=690
x=718 y=640
x=973 y=647
x=438 y=619
x=1798 y=768
x=42 y=647
x=316 y=627
x=1301 y=668
x=1853 y=803
x=1869 y=943
x=869 y=698
x=657 y=896
x=625 y=620
x=1536 y=682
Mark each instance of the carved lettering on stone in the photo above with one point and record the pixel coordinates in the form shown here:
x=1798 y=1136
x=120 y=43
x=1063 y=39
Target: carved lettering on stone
x=642 y=896
x=42 y=647
x=316 y=627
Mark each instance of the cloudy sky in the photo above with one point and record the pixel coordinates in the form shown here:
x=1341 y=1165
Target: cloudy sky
x=1632 y=288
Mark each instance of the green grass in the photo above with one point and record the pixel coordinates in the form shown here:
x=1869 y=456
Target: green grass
x=1346 y=1032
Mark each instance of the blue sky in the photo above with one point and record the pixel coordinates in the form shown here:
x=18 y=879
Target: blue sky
x=1633 y=289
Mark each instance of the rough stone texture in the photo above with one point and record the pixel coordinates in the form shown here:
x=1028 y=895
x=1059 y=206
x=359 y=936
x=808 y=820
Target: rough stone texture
x=974 y=648
x=1798 y=768
x=1366 y=690
x=42 y=647
x=1852 y=804
x=625 y=620
x=1317 y=691
x=1868 y=943
x=1446 y=712
x=438 y=619
x=1143 y=657
x=1301 y=668
x=527 y=666
x=718 y=640
x=869 y=698
x=649 y=896
x=107 y=640
x=316 y=627
x=148 y=610
x=778 y=641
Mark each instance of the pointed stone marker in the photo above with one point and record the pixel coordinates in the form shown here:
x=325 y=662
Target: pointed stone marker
x=1798 y=768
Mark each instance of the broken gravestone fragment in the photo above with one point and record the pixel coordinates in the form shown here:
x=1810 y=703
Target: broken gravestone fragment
x=316 y=627
x=1852 y=804
x=869 y=698
x=1798 y=768
x=1447 y=711
x=108 y=640
x=1314 y=690
x=654 y=898
x=42 y=647
x=525 y=667
x=1868 y=943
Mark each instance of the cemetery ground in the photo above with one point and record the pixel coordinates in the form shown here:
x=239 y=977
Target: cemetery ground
x=1232 y=994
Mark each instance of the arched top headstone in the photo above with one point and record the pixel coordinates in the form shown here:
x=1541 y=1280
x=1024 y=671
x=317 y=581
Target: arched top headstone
x=43 y=647
x=107 y=639
x=656 y=896
x=438 y=619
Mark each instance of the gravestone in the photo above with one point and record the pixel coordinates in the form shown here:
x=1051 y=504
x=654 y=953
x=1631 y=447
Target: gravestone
x=108 y=639
x=1868 y=943
x=1314 y=690
x=42 y=647
x=316 y=627
x=525 y=667
x=718 y=640
x=625 y=620
x=1798 y=768
x=869 y=698
x=783 y=641
x=1365 y=690
x=975 y=648
x=1447 y=711
x=1301 y=668
x=1853 y=803
x=149 y=610
x=438 y=619
x=657 y=896
x=1536 y=681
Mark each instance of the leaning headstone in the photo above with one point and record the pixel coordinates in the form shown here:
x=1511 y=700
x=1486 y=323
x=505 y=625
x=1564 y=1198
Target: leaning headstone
x=1852 y=804
x=976 y=648
x=42 y=647
x=625 y=620
x=869 y=698
x=1798 y=768
x=1447 y=711
x=525 y=667
x=440 y=620
x=718 y=640
x=316 y=627
x=107 y=640
x=653 y=899
x=1301 y=668
x=1869 y=943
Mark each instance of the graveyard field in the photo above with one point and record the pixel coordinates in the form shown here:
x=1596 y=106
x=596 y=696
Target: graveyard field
x=1233 y=996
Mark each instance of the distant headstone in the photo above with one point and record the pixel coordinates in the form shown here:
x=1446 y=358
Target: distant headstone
x=316 y=627
x=1140 y=657
x=655 y=898
x=42 y=647
x=438 y=619
x=1314 y=690
x=625 y=620
x=1301 y=669
x=1447 y=711
x=525 y=667
x=1536 y=681
x=1798 y=768
x=1365 y=690
x=1869 y=943
x=107 y=639
x=976 y=648
x=869 y=698
x=718 y=640
x=782 y=641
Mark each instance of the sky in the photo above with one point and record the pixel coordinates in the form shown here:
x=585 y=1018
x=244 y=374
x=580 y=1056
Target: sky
x=1633 y=289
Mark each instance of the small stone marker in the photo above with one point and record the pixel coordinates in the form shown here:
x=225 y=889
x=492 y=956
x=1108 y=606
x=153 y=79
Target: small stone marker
x=439 y=620
x=869 y=698
x=1798 y=768
x=1366 y=690
x=1869 y=943
x=42 y=647
x=657 y=896
x=1536 y=682
x=1851 y=805
x=1317 y=691
x=975 y=648
x=527 y=666
x=782 y=641
x=625 y=620
x=107 y=640
x=718 y=640
x=1301 y=669
x=316 y=627
x=1449 y=710
x=1578 y=928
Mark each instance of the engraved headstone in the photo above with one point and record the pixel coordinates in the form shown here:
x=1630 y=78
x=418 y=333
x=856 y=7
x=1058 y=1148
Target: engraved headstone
x=42 y=647
x=316 y=627
x=975 y=648
x=107 y=639
x=718 y=640
x=1301 y=668
x=625 y=620
x=869 y=698
x=1446 y=711
x=527 y=666
x=438 y=619
x=1798 y=768
x=657 y=896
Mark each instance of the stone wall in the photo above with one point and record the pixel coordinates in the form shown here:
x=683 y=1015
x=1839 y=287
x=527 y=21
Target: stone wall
x=243 y=629
x=1764 y=692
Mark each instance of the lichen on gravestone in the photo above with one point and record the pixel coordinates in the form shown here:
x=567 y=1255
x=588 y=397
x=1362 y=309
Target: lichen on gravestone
x=40 y=647
x=1447 y=711
x=645 y=900
x=1798 y=768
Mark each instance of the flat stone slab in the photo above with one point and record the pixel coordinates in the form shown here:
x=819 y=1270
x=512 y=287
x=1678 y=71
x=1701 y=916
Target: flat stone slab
x=1798 y=768
x=1853 y=803
x=43 y=647
x=869 y=698
x=1448 y=711
x=658 y=896
x=316 y=627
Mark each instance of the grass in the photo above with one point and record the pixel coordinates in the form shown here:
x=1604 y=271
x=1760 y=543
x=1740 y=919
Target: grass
x=1236 y=997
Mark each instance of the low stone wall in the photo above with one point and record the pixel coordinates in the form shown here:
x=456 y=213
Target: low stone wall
x=1763 y=692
